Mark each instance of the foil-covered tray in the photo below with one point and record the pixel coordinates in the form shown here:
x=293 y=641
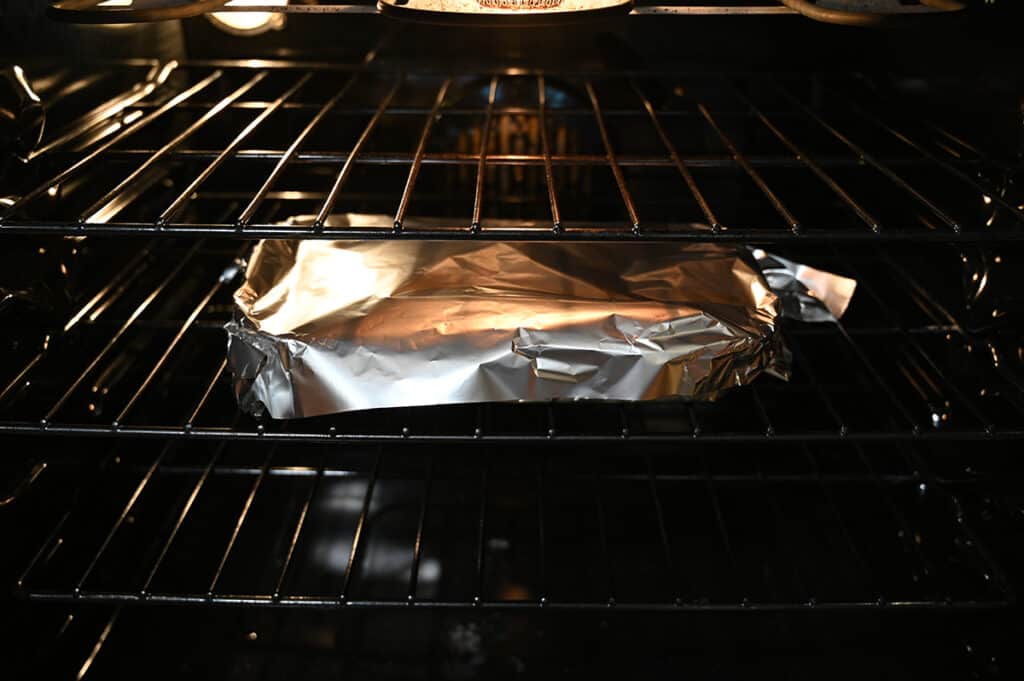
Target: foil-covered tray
x=331 y=326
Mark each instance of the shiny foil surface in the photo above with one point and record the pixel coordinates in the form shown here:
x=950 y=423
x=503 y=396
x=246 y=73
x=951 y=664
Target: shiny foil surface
x=332 y=326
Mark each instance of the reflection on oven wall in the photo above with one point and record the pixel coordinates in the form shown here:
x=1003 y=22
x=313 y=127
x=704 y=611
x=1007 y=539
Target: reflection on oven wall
x=26 y=30
x=387 y=561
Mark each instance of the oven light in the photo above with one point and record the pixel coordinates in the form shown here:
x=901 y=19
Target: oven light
x=249 y=23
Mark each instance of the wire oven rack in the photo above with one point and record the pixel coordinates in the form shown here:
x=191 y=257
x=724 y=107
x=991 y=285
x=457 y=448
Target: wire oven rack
x=796 y=528
x=777 y=502
x=370 y=152
x=142 y=354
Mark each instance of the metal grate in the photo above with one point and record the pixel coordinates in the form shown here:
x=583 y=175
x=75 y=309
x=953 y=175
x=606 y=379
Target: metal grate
x=606 y=528
x=235 y=148
x=141 y=353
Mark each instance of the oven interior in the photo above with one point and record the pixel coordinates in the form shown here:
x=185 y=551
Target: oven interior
x=864 y=518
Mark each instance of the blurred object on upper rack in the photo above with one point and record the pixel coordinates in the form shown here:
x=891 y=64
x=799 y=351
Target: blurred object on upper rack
x=497 y=12
x=871 y=12
x=249 y=23
x=129 y=11
x=26 y=30
x=504 y=12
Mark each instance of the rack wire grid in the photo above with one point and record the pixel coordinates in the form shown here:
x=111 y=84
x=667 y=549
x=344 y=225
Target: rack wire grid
x=140 y=351
x=240 y=148
x=797 y=528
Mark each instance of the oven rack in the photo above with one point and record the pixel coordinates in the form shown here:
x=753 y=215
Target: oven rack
x=826 y=529
x=236 y=148
x=141 y=353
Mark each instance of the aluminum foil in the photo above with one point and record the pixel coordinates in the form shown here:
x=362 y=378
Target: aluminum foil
x=332 y=326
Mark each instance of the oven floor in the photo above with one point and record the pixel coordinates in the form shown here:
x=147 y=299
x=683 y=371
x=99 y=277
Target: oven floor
x=231 y=644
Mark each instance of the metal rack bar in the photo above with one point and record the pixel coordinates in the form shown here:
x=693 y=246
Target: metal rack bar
x=360 y=531
x=485 y=140
x=772 y=502
x=121 y=282
x=971 y=404
x=916 y=289
x=156 y=77
x=250 y=210
x=360 y=109
x=24 y=484
x=541 y=542
x=142 y=123
x=783 y=530
x=659 y=515
x=766 y=422
x=286 y=158
x=481 y=537
x=160 y=153
x=326 y=437
x=545 y=145
x=121 y=331
x=456 y=158
x=957 y=139
x=804 y=158
x=691 y=183
x=242 y=515
x=332 y=196
x=950 y=168
x=872 y=161
x=185 y=196
x=299 y=525
x=613 y=161
x=414 y=169
x=777 y=204
x=802 y=361
x=417 y=552
x=98 y=646
x=825 y=485
x=132 y=500
x=749 y=606
x=186 y=509
x=877 y=377
x=906 y=533
x=206 y=395
x=526 y=230
x=53 y=540
x=716 y=505
x=994 y=571
x=158 y=366
x=740 y=479
x=115 y=288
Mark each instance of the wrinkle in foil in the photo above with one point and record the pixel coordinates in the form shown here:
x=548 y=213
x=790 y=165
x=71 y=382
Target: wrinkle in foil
x=326 y=327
